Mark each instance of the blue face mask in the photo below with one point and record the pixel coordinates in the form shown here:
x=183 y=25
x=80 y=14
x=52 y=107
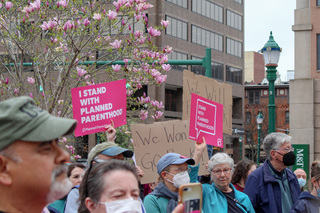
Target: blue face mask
x=318 y=193
x=302 y=182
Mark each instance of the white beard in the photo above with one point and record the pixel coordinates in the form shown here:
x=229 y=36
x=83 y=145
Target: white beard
x=59 y=189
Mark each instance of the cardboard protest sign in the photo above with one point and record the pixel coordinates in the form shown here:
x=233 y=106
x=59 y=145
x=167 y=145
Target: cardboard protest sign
x=152 y=141
x=95 y=106
x=206 y=121
x=210 y=89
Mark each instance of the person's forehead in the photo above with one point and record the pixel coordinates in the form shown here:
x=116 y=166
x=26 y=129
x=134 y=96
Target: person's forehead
x=120 y=180
x=300 y=172
x=222 y=166
x=285 y=145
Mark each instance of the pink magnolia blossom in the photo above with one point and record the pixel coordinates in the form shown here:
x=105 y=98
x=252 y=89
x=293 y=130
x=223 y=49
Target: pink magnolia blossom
x=141 y=40
x=164 y=23
x=16 y=91
x=123 y=22
x=107 y=38
x=126 y=60
x=63 y=140
x=27 y=9
x=36 y=4
x=7 y=81
x=0 y=5
x=166 y=67
x=77 y=157
x=8 y=5
x=58 y=114
x=167 y=49
x=30 y=80
x=97 y=16
x=67 y=25
x=143 y=6
x=138 y=17
x=86 y=22
x=157 y=115
x=71 y=148
x=54 y=40
x=112 y=14
x=116 y=44
x=63 y=3
x=129 y=92
x=154 y=32
x=137 y=34
x=81 y=72
x=160 y=79
x=116 y=67
x=87 y=76
x=31 y=95
x=60 y=102
x=156 y=104
x=143 y=115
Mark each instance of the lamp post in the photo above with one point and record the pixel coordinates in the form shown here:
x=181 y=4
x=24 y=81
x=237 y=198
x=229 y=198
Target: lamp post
x=259 y=122
x=271 y=54
x=240 y=141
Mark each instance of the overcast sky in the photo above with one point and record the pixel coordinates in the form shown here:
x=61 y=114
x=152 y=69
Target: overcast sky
x=263 y=16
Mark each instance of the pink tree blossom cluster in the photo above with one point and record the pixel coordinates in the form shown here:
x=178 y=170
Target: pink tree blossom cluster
x=58 y=38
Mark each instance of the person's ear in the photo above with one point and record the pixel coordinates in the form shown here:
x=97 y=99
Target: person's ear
x=5 y=177
x=91 y=206
x=164 y=175
x=273 y=154
x=314 y=181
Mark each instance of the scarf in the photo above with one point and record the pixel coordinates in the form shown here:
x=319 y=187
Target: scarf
x=162 y=191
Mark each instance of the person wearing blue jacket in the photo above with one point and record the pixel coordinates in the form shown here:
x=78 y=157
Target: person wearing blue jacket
x=221 y=196
x=310 y=202
x=272 y=187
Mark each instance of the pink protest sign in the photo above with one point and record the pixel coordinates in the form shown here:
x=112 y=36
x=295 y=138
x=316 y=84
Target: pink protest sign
x=206 y=120
x=95 y=106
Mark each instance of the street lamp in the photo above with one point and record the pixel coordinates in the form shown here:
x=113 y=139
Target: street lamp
x=259 y=122
x=240 y=141
x=271 y=54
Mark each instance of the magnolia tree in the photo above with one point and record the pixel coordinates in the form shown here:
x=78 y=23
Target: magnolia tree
x=65 y=43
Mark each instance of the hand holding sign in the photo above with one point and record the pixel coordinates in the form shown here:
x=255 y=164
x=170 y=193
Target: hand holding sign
x=206 y=120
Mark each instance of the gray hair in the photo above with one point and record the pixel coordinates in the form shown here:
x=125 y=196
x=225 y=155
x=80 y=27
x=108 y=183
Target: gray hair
x=274 y=141
x=8 y=152
x=220 y=158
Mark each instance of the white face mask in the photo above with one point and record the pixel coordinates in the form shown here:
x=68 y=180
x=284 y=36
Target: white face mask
x=123 y=206
x=180 y=179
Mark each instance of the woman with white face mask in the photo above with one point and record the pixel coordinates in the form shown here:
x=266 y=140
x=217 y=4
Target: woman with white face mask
x=309 y=202
x=110 y=187
x=173 y=170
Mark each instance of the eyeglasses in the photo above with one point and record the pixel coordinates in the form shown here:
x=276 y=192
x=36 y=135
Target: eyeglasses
x=287 y=149
x=179 y=170
x=219 y=171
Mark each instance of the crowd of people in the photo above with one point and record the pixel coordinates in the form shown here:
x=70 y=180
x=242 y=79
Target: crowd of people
x=34 y=176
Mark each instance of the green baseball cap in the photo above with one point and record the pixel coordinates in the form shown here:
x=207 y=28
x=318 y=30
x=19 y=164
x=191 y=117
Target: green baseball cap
x=21 y=119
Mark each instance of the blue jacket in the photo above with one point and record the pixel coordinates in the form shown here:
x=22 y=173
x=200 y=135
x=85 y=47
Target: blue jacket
x=307 y=203
x=213 y=200
x=264 y=190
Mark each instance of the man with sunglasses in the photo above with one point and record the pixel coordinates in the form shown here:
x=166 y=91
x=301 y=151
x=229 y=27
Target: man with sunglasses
x=272 y=187
x=33 y=172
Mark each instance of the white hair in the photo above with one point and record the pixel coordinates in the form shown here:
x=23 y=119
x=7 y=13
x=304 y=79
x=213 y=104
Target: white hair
x=220 y=158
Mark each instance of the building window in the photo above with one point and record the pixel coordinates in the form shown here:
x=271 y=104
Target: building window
x=173 y=100
x=177 y=28
x=248 y=117
x=318 y=2
x=234 y=20
x=208 y=9
x=234 y=75
x=287 y=117
x=178 y=56
x=206 y=38
x=254 y=97
x=239 y=1
x=216 y=69
x=234 y=47
x=318 y=51
x=181 y=3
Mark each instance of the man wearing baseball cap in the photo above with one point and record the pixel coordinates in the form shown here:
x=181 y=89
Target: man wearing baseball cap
x=173 y=170
x=32 y=165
